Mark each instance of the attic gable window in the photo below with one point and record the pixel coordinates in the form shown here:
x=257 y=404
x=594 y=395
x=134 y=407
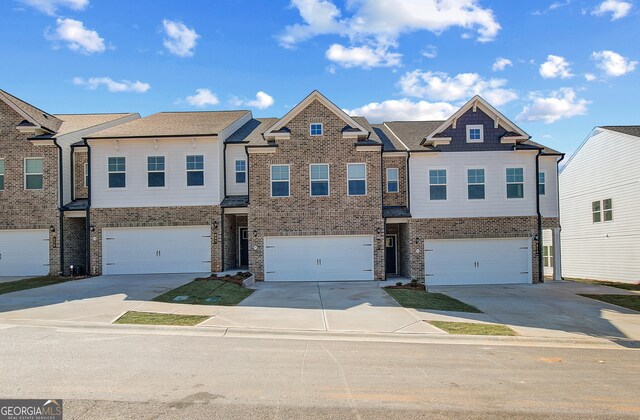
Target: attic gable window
x=315 y=129
x=475 y=134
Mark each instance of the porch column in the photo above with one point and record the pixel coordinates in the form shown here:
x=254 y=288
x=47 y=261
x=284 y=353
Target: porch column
x=557 y=259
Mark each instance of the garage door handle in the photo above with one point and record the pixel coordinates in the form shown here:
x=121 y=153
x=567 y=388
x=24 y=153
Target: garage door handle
x=111 y=263
x=524 y=247
x=367 y=270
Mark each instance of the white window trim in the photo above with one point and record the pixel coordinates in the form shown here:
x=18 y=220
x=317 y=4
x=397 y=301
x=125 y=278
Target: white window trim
x=445 y=184
x=25 y=173
x=2 y=174
x=321 y=129
x=271 y=181
x=466 y=174
x=544 y=175
x=164 y=171
x=236 y=171
x=126 y=182
x=328 y=179
x=366 y=186
x=475 y=126
x=602 y=211
x=524 y=182
x=85 y=168
x=203 y=170
x=397 y=180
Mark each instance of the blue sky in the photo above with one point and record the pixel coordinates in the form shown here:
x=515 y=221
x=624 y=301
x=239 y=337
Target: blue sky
x=557 y=68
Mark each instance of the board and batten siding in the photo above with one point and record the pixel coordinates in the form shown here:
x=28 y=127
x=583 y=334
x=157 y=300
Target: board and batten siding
x=236 y=152
x=137 y=193
x=606 y=166
x=495 y=203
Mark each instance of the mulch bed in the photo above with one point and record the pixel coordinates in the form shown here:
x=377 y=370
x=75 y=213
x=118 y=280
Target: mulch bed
x=237 y=279
x=409 y=286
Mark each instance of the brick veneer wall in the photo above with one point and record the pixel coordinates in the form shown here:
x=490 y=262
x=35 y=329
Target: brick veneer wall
x=155 y=217
x=75 y=240
x=399 y=198
x=300 y=214
x=79 y=159
x=28 y=209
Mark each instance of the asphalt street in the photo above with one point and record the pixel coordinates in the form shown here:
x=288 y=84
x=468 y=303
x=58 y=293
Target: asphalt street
x=130 y=374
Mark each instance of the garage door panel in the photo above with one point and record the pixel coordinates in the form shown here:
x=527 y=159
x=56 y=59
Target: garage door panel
x=478 y=261
x=24 y=252
x=318 y=258
x=157 y=250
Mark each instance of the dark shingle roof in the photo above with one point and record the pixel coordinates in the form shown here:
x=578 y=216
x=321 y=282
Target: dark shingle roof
x=373 y=136
x=532 y=144
x=395 y=211
x=44 y=119
x=632 y=130
x=235 y=201
x=252 y=131
x=412 y=133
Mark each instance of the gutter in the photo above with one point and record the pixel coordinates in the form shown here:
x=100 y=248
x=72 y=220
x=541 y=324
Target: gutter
x=540 y=267
x=60 y=204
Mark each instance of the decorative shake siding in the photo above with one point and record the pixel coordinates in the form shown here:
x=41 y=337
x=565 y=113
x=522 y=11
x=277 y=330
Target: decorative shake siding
x=155 y=217
x=28 y=209
x=79 y=160
x=399 y=198
x=302 y=215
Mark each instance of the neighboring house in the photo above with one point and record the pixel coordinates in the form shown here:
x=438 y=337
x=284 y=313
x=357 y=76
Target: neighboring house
x=600 y=207
x=36 y=183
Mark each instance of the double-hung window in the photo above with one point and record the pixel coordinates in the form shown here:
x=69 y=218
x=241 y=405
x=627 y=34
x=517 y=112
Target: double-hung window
x=596 y=212
x=392 y=180
x=357 y=179
x=195 y=170
x=117 y=172
x=515 y=183
x=315 y=129
x=547 y=255
x=280 y=181
x=475 y=184
x=542 y=185
x=33 y=174
x=1 y=174
x=241 y=171
x=607 y=209
x=437 y=184
x=155 y=171
x=319 y=179
x=86 y=174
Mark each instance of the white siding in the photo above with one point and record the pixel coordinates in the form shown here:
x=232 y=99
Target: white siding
x=223 y=136
x=235 y=152
x=495 y=203
x=549 y=201
x=605 y=167
x=137 y=194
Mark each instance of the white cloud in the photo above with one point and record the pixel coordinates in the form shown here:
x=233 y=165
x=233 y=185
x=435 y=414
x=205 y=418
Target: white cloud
x=430 y=51
x=612 y=63
x=590 y=77
x=501 y=64
x=617 y=8
x=77 y=37
x=112 y=85
x=442 y=87
x=202 y=98
x=379 y=24
x=560 y=104
x=364 y=56
x=555 y=66
x=404 y=109
x=180 y=40
x=50 y=7
x=262 y=101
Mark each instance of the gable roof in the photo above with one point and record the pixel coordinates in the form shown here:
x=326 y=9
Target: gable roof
x=35 y=116
x=632 y=130
x=516 y=133
x=251 y=132
x=412 y=133
x=76 y=122
x=317 y=96
x=173 y=124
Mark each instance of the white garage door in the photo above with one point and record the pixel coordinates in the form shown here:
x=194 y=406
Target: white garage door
x=156 y=250
x=477 y=261
x=318 y=258
x=24 y=252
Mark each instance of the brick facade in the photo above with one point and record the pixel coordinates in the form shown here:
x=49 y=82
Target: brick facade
x=231 y=240
x=75 y=240
x=399 y=198
x=28 y=209
x=155 y=217
x=302 y=215
x=80 y=190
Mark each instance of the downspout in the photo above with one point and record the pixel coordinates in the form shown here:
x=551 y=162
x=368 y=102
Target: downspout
x=408 y=182
x=537 y=190
x=61 y=204
x=88 y=218
x=73 y=171
x=224 y=195
x=384 y=219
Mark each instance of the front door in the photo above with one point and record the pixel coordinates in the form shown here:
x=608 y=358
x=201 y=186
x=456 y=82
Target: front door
x=391 y=254
x=244 y=247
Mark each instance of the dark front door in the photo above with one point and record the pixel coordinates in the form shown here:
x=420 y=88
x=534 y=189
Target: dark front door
x=244 y=247
x=391 y=254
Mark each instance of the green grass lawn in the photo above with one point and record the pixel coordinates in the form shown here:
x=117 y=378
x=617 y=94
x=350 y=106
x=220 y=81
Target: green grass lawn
x=32 y=283
x=625 y=286
x=420 y=299
x=473 y=328
x=199 y=290
x=626 y=301
x=151 y=318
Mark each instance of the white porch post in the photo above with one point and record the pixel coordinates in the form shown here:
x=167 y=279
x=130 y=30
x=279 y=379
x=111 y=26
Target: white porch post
x=557 y=259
